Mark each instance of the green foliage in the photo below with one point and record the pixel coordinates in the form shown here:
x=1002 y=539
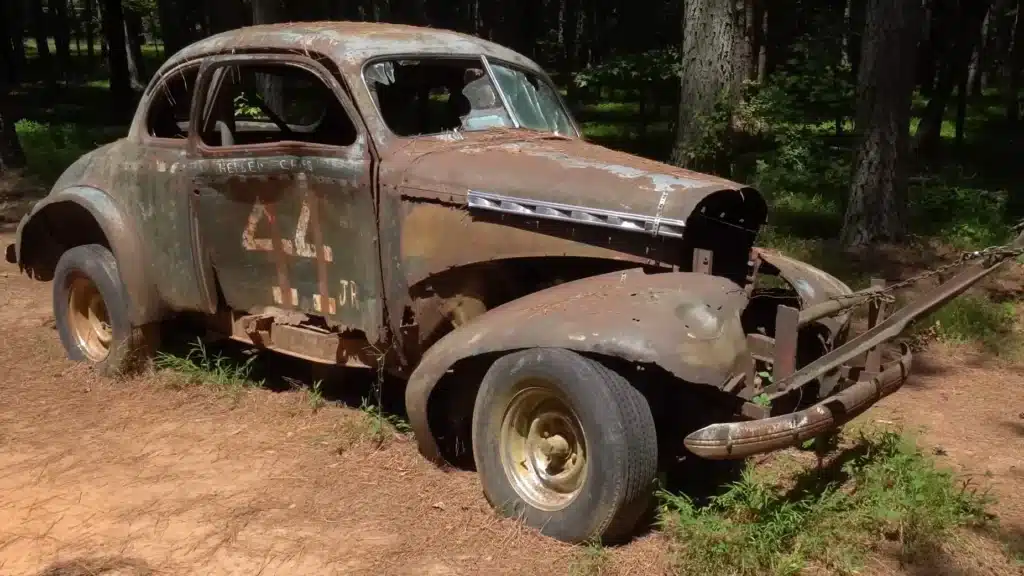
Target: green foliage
x=51 y=148
x=650 y=67
x=972 y=318
x=968 y=217
x=381 y=422
x=889 y=489
x=589 y=560
x=246 y=109
x=202 y=367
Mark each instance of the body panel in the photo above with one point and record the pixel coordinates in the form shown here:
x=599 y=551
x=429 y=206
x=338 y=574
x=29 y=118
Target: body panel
x=290 y=224
x=686 y=323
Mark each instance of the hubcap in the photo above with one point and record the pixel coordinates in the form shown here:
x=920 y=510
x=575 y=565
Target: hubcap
x=543 y=449
x=88 y=319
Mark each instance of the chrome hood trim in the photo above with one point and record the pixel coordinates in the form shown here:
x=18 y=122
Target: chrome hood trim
x=653 y=225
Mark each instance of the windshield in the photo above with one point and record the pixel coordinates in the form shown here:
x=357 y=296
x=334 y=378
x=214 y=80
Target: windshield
x=533 y=101
x=438 y=95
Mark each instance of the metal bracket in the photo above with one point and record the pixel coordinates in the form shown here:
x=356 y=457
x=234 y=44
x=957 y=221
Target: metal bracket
x=877 y=312
x=787 y=326
x=702 y=260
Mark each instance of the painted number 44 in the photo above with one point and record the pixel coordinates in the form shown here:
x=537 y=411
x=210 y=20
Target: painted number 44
x=299 y=246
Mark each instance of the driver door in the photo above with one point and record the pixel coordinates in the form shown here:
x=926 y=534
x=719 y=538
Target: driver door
x=281 y=168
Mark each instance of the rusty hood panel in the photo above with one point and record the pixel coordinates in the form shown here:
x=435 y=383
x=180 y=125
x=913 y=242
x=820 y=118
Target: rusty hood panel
x=565 y=171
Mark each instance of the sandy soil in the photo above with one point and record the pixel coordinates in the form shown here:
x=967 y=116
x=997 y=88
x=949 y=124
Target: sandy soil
x=142 y=477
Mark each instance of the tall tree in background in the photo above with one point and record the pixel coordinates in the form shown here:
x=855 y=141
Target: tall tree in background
x=133 y=48
x=11 y=154
x=958 y=33
x=61 y=35
x=877 y=206
x=117 y=56
x=41 y=33
x=87 y=21
x=716 y=59
x=1013 y=66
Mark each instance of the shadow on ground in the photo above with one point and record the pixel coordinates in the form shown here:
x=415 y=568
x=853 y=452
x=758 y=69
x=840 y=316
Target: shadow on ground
x=105 y=565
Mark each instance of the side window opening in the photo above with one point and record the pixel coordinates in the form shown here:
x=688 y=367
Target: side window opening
x=265 y=103
x=168 y=115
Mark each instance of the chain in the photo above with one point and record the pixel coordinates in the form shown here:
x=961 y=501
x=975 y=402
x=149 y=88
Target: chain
x=992 y=255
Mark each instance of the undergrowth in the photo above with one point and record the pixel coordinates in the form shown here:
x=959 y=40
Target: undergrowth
x=887 y=490
x=202 y=367
x=589 y=560
x=975 y=319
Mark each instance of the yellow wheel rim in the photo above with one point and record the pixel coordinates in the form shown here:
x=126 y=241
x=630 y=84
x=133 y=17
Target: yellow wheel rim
x=543 y=449
x=88 y=318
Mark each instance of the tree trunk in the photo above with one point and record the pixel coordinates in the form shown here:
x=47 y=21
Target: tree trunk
x=169 y=26
x=133 y=49
x=90 y=38
x=39 y=30
x=855 y=39
x=716 y=56
x=961 y=109
x=271 y=89
x=966 y=22
x=226 y=14
x=16 y=11
x=932 y=40
x=877 y=207
x=8 y=74
x=11 y=154
x=117 y=56
x=1013 y=67
x=61 y=35
x=570 y=43
x=976 y=70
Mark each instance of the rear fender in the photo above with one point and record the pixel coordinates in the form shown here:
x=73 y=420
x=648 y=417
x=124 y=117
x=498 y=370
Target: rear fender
x=686 y=323
x=121 y=238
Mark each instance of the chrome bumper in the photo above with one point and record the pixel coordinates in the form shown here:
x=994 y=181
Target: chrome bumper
x=735 y=440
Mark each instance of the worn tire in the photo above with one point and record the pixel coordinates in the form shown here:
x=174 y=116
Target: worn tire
x=620 y=442
x=131 y=347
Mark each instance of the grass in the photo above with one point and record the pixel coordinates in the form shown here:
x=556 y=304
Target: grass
x=200 y=367
x=976 y=319
x=884 y=489
x=382 y=424
x=589 y=560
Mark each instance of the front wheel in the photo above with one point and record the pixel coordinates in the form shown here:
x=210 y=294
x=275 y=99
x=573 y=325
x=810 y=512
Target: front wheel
x=90 y=306
x=565 y=444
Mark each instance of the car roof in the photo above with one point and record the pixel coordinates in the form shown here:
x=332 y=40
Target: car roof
x=350 y=44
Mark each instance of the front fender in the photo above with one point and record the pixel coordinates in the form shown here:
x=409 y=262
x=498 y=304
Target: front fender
x=812 y=285
x=123 y=240
x=686 y=323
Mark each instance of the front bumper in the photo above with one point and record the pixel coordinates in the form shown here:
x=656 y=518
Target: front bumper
x=851 y=376
x=734 y=440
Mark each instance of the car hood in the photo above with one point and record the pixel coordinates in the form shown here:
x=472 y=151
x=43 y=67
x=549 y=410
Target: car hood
x=568 y=172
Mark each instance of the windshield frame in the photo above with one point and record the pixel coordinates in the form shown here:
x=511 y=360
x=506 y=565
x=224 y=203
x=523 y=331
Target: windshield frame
x=485 y=61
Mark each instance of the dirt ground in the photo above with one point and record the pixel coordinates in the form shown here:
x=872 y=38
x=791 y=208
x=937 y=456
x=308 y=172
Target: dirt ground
x=139 y=477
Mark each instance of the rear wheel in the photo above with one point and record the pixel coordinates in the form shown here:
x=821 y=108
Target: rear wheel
x=90 y=306
x=564 y=443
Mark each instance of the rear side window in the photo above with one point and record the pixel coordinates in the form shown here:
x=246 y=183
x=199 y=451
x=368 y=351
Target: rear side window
x=273 y=102
x=170 y=103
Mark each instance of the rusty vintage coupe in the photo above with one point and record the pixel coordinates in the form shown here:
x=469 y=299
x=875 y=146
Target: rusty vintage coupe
x=565 y=316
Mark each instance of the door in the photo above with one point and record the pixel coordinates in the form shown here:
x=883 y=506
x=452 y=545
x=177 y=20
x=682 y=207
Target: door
x=163 y=205
x=286 y=212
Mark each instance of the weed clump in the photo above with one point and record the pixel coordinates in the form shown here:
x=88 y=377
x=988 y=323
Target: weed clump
x=971 y=318
x=202 y=367
x=887 y=490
